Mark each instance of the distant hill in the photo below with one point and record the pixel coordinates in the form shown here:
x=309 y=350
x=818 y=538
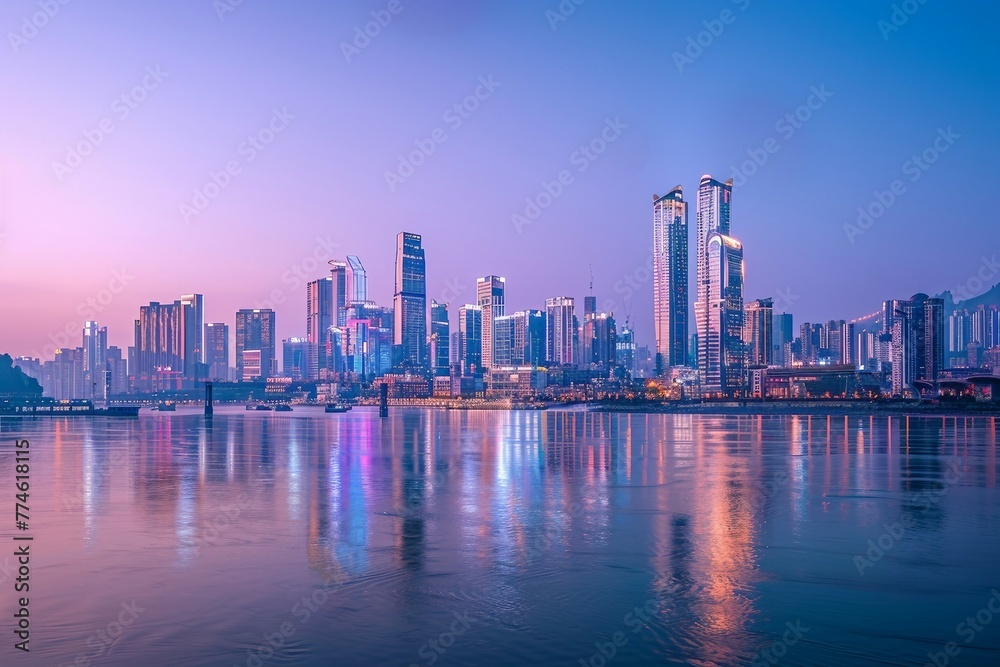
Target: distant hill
x=14 y=381
x=990 y=297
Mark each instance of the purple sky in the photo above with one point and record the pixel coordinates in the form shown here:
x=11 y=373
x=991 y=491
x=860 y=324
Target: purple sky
x=557 y=81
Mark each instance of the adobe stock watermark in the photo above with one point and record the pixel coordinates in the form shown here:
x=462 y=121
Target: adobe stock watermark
x=989 y=268
x=334 y=576
x=968 y=630
x=248 y=150
x=915 y=167
x=901 y=13
x=779 y=649
x=301 y=272
x=435 y=647
x=581 y=159
x=32 y=24
x=88 y=309
x=454 y=116
x=786 y=127
x=121 y=108
x=635 y=620
x=363 y=35
x=697 y=44
x=100 y=641
x=562 y=13
x=894 y=532
x=223 y=7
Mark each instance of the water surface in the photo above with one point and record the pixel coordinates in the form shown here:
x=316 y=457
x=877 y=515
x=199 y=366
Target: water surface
x=505 y=538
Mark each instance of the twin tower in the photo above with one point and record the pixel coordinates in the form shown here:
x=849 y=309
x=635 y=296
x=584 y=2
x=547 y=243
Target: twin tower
x=719 y=350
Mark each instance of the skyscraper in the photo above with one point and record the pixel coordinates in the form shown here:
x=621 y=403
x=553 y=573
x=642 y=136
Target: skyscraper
x=784 y=335
x=294 y=357
x=560 y=330
x=440 y=338
x=95 y=351
x=490 y=297
x=670 y=278
x=758 y=332
x=255 y=344
x=470 y=328
x=714 y=203
x=357 y=281
x=410 y=302
x=529 y=338
x=338 y=274
x=725 y=354
x=320 y=316
x=192 y=312
x=918 y=341
x=158 y=339
x=503 y=342
x=217 y=350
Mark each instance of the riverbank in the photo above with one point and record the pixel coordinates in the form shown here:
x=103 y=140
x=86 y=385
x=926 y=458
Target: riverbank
x=811 y=407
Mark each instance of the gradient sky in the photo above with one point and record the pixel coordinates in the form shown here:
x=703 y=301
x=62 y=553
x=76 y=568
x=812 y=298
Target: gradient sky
x=323 y=176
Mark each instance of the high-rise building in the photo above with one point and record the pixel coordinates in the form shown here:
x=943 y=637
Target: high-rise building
x=192 y=312
x=529 y=338
x=625 y=359
x=986 y=327
x=504 y=354
x=294 y=358
x=713 y=217
x=723 y=344
x=758 y=332
x=217 y=350
x=94 y=359
x=670 y=278
x=159 y=340
x=338 y=291
x=255 y=344
x=918 y=341
x=604 y=345
x=410 y=303
x=470 y=328
x=560 y=331
x=321 y=314
x=784 y=335
x=357 y=281
x=440 y=338
x=490 y=297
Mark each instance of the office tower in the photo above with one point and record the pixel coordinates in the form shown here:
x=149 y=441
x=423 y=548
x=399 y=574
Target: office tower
x=670 y=279
x=604 y=347
x=456 y=352
x=320 y=316
x=489 y=297
x=726 y=358
x=357 y=281
x=117 y=373
x=159 y=341
x=918 y=341
x=625 y=358
x=255 y=344
x=295 y=357
x=504 y=353
x=560 y=331
x=470 y=326
x=192 y=312
x=784 y=334
x=810 y=338
x=410 y=302
x=837 y=342
x=95 y=348
x=759 y=333
x=439 y=338
x=959 y=337
x=714 y=204
x=217 y=350
x=529 y=338
x=338 y=290
x=366 y=340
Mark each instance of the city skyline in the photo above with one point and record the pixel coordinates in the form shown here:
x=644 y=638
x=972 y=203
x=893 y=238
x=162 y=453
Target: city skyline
x=857 y=140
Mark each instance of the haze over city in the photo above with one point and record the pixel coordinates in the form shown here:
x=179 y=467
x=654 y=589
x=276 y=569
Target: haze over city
x=544 y=82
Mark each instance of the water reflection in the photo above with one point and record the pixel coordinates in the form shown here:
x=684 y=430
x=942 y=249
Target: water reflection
x=547 y=526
